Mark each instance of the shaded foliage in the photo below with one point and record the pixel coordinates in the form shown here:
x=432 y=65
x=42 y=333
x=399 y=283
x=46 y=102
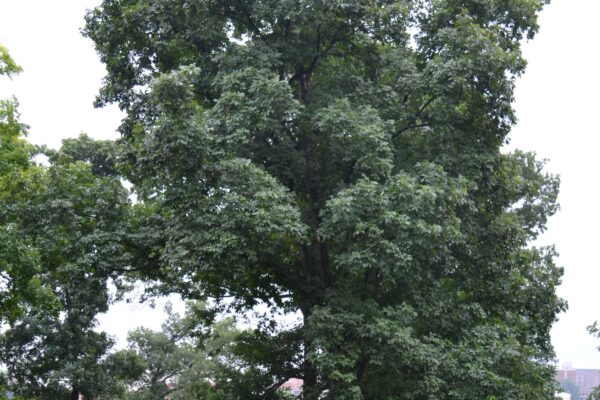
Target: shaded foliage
x=74 y=221
x=189 y=359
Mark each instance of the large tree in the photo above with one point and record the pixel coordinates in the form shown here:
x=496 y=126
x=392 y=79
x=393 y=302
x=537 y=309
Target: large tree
x=342 y=160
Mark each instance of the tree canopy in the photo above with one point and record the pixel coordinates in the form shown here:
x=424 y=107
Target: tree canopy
x=342 y=159
x=75 y=221
x=21 y=288
x=339 y=161
x=8 y=66
x=62 y=237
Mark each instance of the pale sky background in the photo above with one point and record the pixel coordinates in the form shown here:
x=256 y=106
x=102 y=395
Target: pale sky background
x=556 y=102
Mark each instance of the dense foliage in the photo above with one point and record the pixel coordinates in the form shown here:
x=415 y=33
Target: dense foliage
x=341 y=159
x=62 y=237
x=74 y=219
x=19 y=288
x=190 y=360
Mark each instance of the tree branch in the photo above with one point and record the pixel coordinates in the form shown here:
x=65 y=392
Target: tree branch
x=415 y=117
x=406 y=128
x=250 y=21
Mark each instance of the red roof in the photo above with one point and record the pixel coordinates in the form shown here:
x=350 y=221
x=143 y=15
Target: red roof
x=293 y=384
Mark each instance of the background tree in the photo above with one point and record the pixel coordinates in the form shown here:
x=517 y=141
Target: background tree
x=341 y=159
x=100 y=154
x=74 y=220
x=189 y=359
x=8 y=66
x=167 y=360
x=20 y=288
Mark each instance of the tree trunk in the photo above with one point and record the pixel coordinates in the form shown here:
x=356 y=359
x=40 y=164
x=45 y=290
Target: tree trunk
x=74 y=393
x=310 y=390
x=310 y=387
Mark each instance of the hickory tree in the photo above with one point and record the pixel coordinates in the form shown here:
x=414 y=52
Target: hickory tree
x=341 y=159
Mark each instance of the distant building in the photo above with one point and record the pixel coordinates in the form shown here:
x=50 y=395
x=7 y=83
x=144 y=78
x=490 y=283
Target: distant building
x=585 y=380
x=566 y=375
x=564 y=396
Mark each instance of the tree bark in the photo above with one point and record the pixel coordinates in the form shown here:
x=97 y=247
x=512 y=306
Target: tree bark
x=310 y=389
x=74 y=393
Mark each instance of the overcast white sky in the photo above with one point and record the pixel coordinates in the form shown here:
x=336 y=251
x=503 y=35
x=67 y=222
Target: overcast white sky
x=556 y=102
